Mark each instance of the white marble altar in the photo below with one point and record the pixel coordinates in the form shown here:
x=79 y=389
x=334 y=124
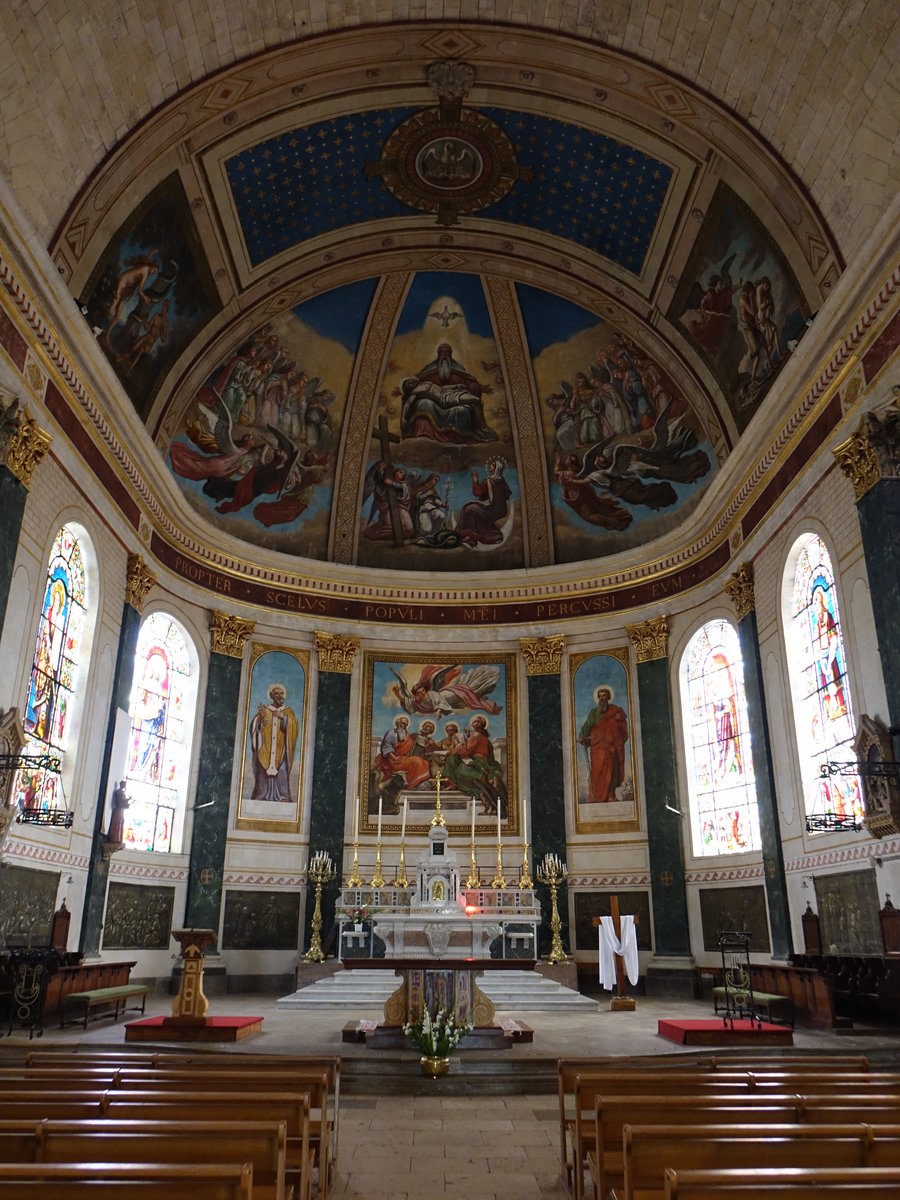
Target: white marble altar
x=438 y=917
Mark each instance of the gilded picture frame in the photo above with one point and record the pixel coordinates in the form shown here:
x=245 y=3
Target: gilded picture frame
x=429 y=715
x=603 y=742
x=276 y=718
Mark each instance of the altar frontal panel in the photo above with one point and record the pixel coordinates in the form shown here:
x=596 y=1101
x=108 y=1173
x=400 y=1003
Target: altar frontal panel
x=426 y=717
x=275 y=740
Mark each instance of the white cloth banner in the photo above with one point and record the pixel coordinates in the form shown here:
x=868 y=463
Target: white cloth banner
x=610 y=946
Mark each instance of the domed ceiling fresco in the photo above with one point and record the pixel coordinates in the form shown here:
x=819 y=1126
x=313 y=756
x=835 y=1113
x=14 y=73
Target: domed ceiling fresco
x=444 y=324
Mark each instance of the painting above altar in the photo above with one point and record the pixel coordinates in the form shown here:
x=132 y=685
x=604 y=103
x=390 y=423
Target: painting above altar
x=430 y=718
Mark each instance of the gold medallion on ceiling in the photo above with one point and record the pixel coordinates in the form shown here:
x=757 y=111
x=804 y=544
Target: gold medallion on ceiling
x=447 y=161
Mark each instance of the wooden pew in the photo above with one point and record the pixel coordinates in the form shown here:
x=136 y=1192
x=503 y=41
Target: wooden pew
x=649 y=1150
x=568 y=1069
x=613 y=1113
x=233 y=1077
x=134 y=1181
x=262 y=1144
x=788 y=1183
x=694 y=1081
x=182 y=1106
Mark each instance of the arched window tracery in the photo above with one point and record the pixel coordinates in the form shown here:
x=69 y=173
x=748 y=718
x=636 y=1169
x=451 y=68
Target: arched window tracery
x=820 y=685
x=719 y=756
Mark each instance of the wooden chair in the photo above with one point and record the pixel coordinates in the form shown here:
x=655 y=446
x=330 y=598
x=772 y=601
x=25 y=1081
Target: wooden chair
x=134 y=1181
x=788 y=1183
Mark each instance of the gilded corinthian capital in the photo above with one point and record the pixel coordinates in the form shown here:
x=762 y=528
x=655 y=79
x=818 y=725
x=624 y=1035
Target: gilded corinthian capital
x=872 y=453
x=336 y=652
x=228 y=634
x=23 y=443
x=543 y=656
x=650 y=639
x=740 y=590
x=139 y=580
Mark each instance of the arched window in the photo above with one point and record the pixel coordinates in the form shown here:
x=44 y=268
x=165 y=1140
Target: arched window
x=60 y=653
x=163 y=695
x=721 y=782
x=823 y=711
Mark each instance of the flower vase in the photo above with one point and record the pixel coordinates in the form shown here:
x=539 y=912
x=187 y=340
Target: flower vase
x=434 y=1067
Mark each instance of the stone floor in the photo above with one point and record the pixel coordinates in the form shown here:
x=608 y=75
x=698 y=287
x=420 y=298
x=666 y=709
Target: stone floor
x=406 y=1138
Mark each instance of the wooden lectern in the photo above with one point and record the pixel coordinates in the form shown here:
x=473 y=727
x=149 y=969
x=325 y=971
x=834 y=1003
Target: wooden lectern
x=619 y=1002
x=190 y=1005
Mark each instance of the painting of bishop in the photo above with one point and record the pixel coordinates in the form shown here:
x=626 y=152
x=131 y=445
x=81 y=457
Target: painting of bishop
x=446 y=719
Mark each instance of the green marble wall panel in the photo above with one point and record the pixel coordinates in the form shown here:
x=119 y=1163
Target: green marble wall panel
x=98 y=870
x=769 y=827
x=12 y=506
x=879 y=519
x=219 y=733
x=548 y=814
x=328 y=799
x=671 y=935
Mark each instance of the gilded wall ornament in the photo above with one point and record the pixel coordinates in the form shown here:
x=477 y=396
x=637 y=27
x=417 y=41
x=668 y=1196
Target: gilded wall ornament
x=543 y=656
x=447 y=161
x=740 y=591
x=650 y=639
x=23 y=443
x=227 y=634
x=880 y=777
x=139 y=580
x=336 y=653
x=859 y=462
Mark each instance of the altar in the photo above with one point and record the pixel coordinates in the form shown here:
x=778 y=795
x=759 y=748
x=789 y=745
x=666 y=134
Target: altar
x=437 y=916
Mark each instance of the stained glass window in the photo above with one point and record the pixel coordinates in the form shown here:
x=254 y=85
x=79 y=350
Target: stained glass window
x=823 y=711
x=159 y=743
x=52 y=688
x=721 y=782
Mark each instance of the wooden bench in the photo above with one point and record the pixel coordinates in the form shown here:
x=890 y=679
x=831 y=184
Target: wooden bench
x=612 y=1113
x=769 y=1003
x=788 y=1183
x=649 y=1150
x=102 y=1001
x=262 y=1144
x=134 y=1181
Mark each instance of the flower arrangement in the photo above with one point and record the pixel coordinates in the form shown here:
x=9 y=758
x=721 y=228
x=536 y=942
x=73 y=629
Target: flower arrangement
x=435 y=1037
x=361 y=913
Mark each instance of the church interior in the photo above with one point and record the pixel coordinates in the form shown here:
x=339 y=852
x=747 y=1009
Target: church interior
x=442 y=447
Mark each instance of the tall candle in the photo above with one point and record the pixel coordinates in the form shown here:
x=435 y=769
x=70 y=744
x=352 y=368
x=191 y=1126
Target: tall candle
x=473 y=819
x=355 y=816
x=498 y=819
x=524 y=820
x=379 y=818
x=405 y=807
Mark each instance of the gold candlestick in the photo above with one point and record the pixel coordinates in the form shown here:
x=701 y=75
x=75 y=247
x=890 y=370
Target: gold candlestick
x=552 y=873
x=320 y=871
x=525 y=880
x=401 y=880
x=355 y=879
x=378 y=879
x=438 y=818
x=499 y=881
x=473 y=881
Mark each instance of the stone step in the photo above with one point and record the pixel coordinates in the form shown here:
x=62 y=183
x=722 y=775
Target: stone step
x=509 y=991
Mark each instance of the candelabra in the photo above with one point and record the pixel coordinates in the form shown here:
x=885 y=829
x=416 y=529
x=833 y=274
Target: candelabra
x=355 y=879
x=473 y=881
x=402 y=880
x=320 y=871
x=525 y=880
x=553 y=873
x=499 y=880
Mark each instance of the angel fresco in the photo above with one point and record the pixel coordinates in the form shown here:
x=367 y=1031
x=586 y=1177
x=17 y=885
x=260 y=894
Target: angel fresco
x=259 y=430
x=442 y=690
x=639 y=471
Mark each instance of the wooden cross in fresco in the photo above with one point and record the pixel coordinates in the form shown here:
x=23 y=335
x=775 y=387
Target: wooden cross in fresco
x=384 y=438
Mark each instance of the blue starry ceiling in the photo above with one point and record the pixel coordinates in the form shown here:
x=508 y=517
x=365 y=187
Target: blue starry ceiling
x=585 y=187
